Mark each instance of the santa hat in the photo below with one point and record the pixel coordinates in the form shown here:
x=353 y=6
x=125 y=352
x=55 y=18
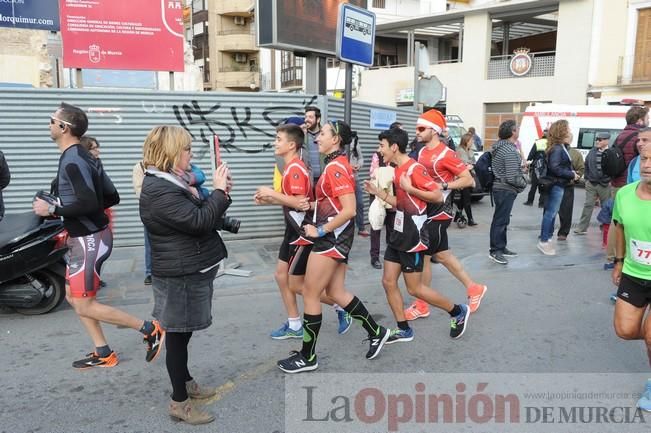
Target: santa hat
x=432 y=119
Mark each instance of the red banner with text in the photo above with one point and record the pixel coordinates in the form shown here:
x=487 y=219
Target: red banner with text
x=122 y=34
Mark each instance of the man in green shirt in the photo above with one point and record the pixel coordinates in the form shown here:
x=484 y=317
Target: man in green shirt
x=632 y=271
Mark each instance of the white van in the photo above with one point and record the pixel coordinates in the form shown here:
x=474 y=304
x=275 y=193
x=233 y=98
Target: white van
x=585 y=121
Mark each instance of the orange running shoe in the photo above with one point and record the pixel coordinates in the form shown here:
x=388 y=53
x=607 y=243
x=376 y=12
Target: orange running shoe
x=417 y=310
x=475 y=294
x=93 y=360
x=154 y=341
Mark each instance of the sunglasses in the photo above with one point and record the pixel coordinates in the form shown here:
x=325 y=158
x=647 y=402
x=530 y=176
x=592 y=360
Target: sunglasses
x=54 y=119
x=335 y=126
x=422 y=128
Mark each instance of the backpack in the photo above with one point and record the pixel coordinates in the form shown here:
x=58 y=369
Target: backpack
x=540 y=167
x=484 y=170
x=612 y=159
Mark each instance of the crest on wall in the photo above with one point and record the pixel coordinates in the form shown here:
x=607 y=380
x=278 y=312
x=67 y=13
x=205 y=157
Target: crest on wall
x=521 y=62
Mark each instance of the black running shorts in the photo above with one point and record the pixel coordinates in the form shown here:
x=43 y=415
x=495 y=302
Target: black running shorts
x=635 y=291
x=409 y=262
x=438 y=236
x=294 y=255
x=86 y=256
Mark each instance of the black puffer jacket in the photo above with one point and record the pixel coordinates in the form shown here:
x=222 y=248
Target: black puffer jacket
x=181 y=227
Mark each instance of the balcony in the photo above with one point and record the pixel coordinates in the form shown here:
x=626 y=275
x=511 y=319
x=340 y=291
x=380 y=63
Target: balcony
x=543 y=64
x=236 y=41
x=632 y=73
x=235 y=8
x=232 y=78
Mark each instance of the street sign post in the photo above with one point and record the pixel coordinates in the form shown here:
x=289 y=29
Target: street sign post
x=355 y=45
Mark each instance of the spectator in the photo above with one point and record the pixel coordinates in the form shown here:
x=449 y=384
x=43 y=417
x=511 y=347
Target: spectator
x=356 y=160
x=5 y=177
x=312 y=127
x=559 y=169
x=476 y=140
x=597 y=184
x=644 y=138
x=509 y=182
x=567 y=204
x=466 y=154
x=445 y=138
x=377 y=165
x=536 y=153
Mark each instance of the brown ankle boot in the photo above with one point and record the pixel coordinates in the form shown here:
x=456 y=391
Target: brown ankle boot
x=186 y=411
x=197 y=391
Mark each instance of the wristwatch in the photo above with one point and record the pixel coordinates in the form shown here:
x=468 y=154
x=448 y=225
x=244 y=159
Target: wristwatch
x=51 y=209
x=444 y=185
x=618 y=260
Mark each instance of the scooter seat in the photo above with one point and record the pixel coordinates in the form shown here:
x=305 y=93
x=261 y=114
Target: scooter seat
x=15 y=227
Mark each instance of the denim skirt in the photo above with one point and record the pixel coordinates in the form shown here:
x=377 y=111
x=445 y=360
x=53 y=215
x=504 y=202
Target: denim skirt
x=184 y=304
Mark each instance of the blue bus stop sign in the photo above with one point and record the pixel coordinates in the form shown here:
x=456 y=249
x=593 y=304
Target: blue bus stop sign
x=355 y=35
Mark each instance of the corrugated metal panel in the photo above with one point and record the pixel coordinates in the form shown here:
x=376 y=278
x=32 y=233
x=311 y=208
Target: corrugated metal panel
x=245 y=123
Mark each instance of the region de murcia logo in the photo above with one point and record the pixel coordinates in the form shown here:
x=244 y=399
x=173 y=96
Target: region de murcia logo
x=94 y=54
x=521 y=62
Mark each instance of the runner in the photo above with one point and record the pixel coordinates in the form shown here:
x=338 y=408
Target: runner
x=84 y=191
x=408 y=239
x=294 y=249
x=450 y=173
x=333 y=233
x=632 y=271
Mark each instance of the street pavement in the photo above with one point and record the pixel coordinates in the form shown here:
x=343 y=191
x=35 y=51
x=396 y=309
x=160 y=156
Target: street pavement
x=540 y=315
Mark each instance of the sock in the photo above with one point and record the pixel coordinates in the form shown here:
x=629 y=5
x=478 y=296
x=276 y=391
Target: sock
x=337 y=307
x=311 y=326
x=403 y=325
x=294 y=323
x=103 y=351
x=456 y=310
x=358 y=311
x=147 y=327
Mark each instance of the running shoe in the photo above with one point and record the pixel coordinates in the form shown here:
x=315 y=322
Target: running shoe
x=285 y=332
x=400 y=335
x=93 y=360
x=154 y=342
x=297 y=363
x=498 y=257
x=344 y=322
x=508 y=253
x=547 y=248
x=475 y=294
x=644 y=402
x=459 y=323
x=377 y=342
x=416 y=311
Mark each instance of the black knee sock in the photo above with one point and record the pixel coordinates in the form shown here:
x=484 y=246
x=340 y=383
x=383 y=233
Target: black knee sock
x=358 y=311
x=188 y=377
x=456 y=310
x=147 y=327
x=404 y=325
x=103 y=351
x=176 y=360
x=311 y=326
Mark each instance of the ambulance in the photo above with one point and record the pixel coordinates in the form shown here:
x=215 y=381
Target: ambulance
x=585 y=122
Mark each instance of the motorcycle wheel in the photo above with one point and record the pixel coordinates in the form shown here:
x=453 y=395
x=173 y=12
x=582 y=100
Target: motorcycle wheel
x=54 y=293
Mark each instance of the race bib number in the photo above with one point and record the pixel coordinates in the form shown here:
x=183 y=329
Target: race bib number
x=640 y=252
x=399 y=221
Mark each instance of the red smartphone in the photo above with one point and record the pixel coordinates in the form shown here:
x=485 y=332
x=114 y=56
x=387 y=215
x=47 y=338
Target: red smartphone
x=218 y=157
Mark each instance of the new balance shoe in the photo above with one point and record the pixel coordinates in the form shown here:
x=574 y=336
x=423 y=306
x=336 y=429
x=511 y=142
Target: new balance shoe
x=416 y=311
x=297 y=363
x=400 y=335
x=344 y=322
x=154 y=342
x=475 y=294
x=377 y=342
x=459 y=323
x=93 y=360
x=644 y=402
x=285 y=332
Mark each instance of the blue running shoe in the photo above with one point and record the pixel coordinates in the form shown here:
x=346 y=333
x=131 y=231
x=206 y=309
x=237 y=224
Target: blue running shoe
x=400 y=335
x=644 y=402
x=344 y=322
x=285 y=332
x=459 y=323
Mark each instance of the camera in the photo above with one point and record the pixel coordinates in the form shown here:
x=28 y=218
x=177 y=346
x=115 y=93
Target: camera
x=230 y=224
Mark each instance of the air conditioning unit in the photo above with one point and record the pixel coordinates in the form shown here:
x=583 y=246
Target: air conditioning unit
x=240 y=57
x=240 y=21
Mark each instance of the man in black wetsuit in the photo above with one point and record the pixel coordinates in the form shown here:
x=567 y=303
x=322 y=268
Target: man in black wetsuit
x=83 y=191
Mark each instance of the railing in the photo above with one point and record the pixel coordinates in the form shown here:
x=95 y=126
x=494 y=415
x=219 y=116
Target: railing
x=628 y=74
x=436 y=62
x=543 y=65
x=240 y=31
x=243 y=68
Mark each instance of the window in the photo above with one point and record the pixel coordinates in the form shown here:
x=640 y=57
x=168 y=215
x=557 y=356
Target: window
x=379 y=4
x=198 y=5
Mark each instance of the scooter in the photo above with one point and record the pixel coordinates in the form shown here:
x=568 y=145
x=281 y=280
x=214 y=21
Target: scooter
x=32 y=263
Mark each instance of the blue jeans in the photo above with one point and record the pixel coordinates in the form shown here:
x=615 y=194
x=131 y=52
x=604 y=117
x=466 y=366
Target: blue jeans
x=504 y=200
x=147 y=254
x=552 y=205
x=359 y=198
